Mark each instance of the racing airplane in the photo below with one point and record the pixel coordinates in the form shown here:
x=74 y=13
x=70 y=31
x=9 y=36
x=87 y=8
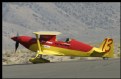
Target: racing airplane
x=46 y=43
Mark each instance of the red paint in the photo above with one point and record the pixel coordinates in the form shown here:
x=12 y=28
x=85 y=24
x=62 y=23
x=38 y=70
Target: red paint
x=76 y=45
x=25 y=40
x=48 y=37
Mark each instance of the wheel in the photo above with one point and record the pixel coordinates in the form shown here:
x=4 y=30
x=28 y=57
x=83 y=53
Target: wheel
x=105 y=58
x=34 y=62
x=39 y=56
x=39 y=60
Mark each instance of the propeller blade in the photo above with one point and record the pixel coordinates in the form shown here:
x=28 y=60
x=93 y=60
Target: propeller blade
x=17 y=43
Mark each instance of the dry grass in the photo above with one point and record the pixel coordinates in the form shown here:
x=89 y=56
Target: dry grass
x=19 y=57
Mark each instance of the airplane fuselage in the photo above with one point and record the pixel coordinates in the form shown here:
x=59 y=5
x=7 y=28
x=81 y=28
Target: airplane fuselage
x=71 y=48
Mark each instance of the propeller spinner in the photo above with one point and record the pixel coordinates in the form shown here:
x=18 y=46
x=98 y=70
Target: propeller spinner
x=17 y=42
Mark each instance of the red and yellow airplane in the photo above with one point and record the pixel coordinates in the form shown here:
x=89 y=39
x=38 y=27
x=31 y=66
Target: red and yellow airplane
x=47 y=44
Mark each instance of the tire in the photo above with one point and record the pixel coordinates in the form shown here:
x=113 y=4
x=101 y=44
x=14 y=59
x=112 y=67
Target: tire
x=105 y=58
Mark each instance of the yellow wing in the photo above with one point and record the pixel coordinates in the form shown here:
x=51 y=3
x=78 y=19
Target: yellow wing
x=47 y=33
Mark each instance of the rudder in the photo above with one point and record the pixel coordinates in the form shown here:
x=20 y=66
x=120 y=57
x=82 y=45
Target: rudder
x=108 y=47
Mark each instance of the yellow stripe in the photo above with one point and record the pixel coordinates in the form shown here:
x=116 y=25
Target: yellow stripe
x=60 y=51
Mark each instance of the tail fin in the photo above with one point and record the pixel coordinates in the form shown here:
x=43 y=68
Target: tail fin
x=108 y=47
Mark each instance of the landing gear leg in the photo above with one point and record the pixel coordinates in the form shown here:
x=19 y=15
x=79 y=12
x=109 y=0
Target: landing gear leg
x=39 y=59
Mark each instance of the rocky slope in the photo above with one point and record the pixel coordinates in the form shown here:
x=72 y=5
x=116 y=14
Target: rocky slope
x=87 y=22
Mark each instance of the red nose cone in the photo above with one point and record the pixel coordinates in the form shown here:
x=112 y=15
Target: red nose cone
x=14 y=38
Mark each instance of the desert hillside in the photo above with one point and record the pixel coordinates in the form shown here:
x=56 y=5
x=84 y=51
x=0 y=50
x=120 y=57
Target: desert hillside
x=87 y=22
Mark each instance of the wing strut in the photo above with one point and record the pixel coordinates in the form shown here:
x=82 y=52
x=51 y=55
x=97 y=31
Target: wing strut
x=39 y=51
x=38 y=42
